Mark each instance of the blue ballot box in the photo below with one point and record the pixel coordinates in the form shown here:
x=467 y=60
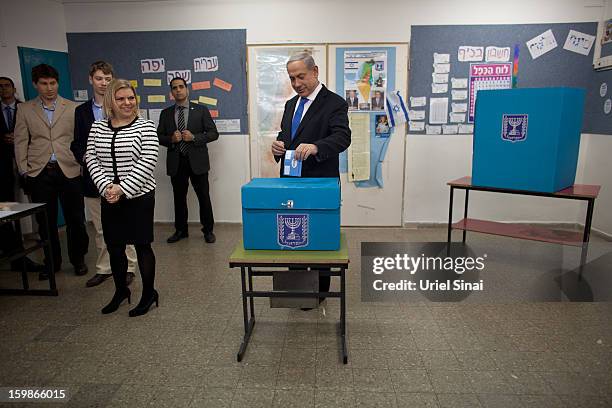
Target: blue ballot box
x=527 y=139
x=291 y=213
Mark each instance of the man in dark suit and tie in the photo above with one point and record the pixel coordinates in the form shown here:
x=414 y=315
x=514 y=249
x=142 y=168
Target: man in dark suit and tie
x=185 y=129
x=352 y=100
x=10 y=240
x=315 y=124
x=378 y=101
x=7 y=142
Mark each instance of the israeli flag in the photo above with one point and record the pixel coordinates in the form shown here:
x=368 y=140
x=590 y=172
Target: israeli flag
x=396 y=109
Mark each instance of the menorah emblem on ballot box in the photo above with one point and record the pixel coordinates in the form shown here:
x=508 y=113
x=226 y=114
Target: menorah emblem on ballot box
x=514 y=127
x=292 y=230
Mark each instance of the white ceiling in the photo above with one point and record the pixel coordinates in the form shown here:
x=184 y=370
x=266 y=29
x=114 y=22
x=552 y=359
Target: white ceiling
x=112 y=1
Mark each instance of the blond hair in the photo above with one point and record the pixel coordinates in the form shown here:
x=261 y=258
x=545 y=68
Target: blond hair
x=109 y=96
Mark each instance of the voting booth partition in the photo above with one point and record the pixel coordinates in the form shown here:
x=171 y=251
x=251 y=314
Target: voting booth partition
x=527 y=139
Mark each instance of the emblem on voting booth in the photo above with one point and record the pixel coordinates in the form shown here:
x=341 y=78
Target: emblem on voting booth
x=514 y=127
x=292 y=230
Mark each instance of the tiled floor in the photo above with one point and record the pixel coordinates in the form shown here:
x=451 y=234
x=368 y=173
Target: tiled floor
x=183 y=354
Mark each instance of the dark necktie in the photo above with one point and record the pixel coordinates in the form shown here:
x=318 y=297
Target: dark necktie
x=183 y=147
x=297 y=118
x=9 y=118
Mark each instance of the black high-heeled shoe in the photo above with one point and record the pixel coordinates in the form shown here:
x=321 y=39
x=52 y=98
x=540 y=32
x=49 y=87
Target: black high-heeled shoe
x=116 y=301
x=143 y=307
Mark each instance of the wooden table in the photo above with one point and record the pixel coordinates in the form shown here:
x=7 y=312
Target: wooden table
x=335 y=261
x=581 y=192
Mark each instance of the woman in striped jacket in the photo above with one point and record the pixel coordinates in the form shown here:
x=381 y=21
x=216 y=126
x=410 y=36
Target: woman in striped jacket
x=121 y=158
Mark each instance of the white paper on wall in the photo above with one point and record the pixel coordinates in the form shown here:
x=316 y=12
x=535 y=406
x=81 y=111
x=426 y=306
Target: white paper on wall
x=456 y=117
x=459 y=83
x=154 y=115
x=416 y=126
x=450 y=129
x=205 y=64
x=459 y=94
x=441 y=68
x=497 y=54
x=418 y=101
x=80 y=95
x=152 y=66
x=439 y=78
x=227 y=125
x=439 y=88
x=467 y=53
x=459 y=107
x=438 y=110
x=578 y=42
x=441 y=58
x=466 y=129
x=182 y=73
x=433 y=130
x=416 y=114
x=541 y=44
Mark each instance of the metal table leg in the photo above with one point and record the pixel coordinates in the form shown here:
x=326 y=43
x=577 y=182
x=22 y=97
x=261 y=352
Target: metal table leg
x=450 y=215
x=250 y=272
x=248 y=323
x=24 y=272
x=585 y=237
x=465 y=212
x=49 y=253
x=343 y=315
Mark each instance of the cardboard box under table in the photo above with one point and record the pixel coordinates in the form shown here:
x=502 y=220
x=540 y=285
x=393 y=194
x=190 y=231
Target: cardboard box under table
x=527 y=139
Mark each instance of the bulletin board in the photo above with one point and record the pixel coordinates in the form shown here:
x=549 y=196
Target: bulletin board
x=213 y=62
x=602 y=62
x=269 y=89
x=377 y=200
x=556 y=66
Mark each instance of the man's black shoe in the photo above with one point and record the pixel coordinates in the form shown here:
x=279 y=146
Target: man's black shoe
x=177 y=236
x=209 y=237
x=80 y=270
x=97 y=279
x=30 y=265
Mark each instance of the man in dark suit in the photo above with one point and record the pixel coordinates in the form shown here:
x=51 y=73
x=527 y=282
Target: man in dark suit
x=7 y=142
x=315 y=124
x=11 y=241
x=100 y=75
x=352 y=100
x=378 y=101
x=185 y=129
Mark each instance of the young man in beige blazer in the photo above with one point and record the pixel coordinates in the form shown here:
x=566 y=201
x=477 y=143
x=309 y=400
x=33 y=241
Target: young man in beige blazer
x=44 y=129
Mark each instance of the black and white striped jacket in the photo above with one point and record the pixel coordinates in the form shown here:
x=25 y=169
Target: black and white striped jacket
x=126 y=155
